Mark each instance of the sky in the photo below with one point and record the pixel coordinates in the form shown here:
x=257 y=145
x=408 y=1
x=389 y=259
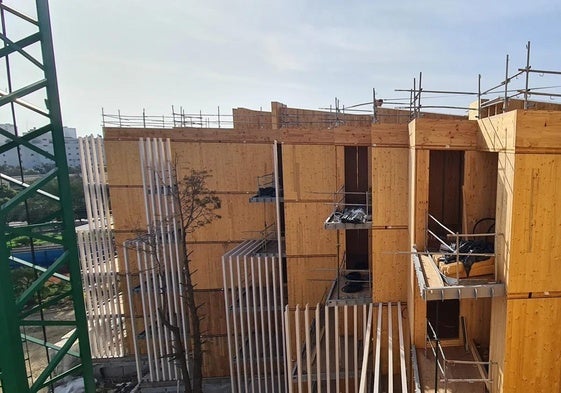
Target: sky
x=130 y=55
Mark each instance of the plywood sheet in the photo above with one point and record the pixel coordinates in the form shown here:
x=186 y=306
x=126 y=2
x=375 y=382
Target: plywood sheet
x=390 y=187
x=305 y=234
x=390 y=264
x=421 y=198
x=497 y=341
x=234 y=167
x=309 y=279
x=310 y=172
x=216 y=358
x=535 y=253
x=533 y=345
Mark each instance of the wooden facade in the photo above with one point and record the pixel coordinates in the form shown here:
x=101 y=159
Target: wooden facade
x=506 y=167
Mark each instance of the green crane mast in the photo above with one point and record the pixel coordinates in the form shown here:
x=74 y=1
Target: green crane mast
x=28 y=64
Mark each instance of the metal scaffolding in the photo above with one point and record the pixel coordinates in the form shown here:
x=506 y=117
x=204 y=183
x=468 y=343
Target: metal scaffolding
x=26 y=313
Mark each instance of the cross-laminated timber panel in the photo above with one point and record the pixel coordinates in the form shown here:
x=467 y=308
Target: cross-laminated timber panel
x=535 y=250
x=390 y=187
x=533 y=346
x=390 y=266
x=311 y=172
x=309 y=278
x=443 y=134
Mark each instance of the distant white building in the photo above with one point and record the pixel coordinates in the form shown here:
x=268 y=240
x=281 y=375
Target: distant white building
x=30 y=159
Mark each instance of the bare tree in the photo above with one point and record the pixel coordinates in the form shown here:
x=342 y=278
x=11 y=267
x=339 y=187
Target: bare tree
x=196 y=207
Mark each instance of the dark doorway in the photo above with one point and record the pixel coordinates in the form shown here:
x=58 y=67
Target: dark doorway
x=444 y=316
x=445 y=193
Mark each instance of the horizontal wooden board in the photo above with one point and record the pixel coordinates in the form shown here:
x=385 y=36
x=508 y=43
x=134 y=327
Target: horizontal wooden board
x=390 y=186
x=305 y=234
x=390 y=135
x=535 y=251
x=390 y=265
x=533 y=346
x=309 y=279
x=445 y=134
x=310 y=172
x=538 y=131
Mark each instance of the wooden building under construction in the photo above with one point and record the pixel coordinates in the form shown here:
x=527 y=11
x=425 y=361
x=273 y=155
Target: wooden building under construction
x=354 y=255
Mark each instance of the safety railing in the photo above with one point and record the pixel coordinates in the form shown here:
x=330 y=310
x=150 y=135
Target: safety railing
x=443 y=364
x=456 y=248
x=351 y=210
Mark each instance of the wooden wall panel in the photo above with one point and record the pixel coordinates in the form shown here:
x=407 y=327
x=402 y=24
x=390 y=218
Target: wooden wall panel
x=206 y=263
x=309 y=279
x=212 y=312
x=419 y=322
x=420 y=203
x=390 y=187
x=498 y=341
x=390 y=269
x=477 y=313
x=249 y=119
x=533 y=345
x=538 y=131
x=535 y=252
x=216 y=358
x=480 y=187
x=123 y=162
x=305 y=234
x=309 y=172
x=127 y=207
x=497 y=133
x=226 y=162
x=503 y=224
x=239 y=220
x=396 y=135
x=445 y=134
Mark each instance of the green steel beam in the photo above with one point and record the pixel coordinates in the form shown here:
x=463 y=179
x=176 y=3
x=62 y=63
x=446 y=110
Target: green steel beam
x=18 y=46
x=27 y=137
x=34 y=340
x=24 y=142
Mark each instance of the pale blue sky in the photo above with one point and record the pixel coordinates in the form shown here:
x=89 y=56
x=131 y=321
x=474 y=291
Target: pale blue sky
x=130 y=55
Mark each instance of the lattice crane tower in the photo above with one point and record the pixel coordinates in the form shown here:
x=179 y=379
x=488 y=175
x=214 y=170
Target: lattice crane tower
x=29 y=360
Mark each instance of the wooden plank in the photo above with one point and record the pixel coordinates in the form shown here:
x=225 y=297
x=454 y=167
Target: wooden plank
x=389 y=267
x=304 y=229
x=309 y=278
x=538 y=131
x=390 y=188
x=535 y=249
x=445 y=134
x=309 y=172
x=533 y=345
x=386 y=135
x=212 y=312
x=206 y=263
x=216 y=359
x=249 y=119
